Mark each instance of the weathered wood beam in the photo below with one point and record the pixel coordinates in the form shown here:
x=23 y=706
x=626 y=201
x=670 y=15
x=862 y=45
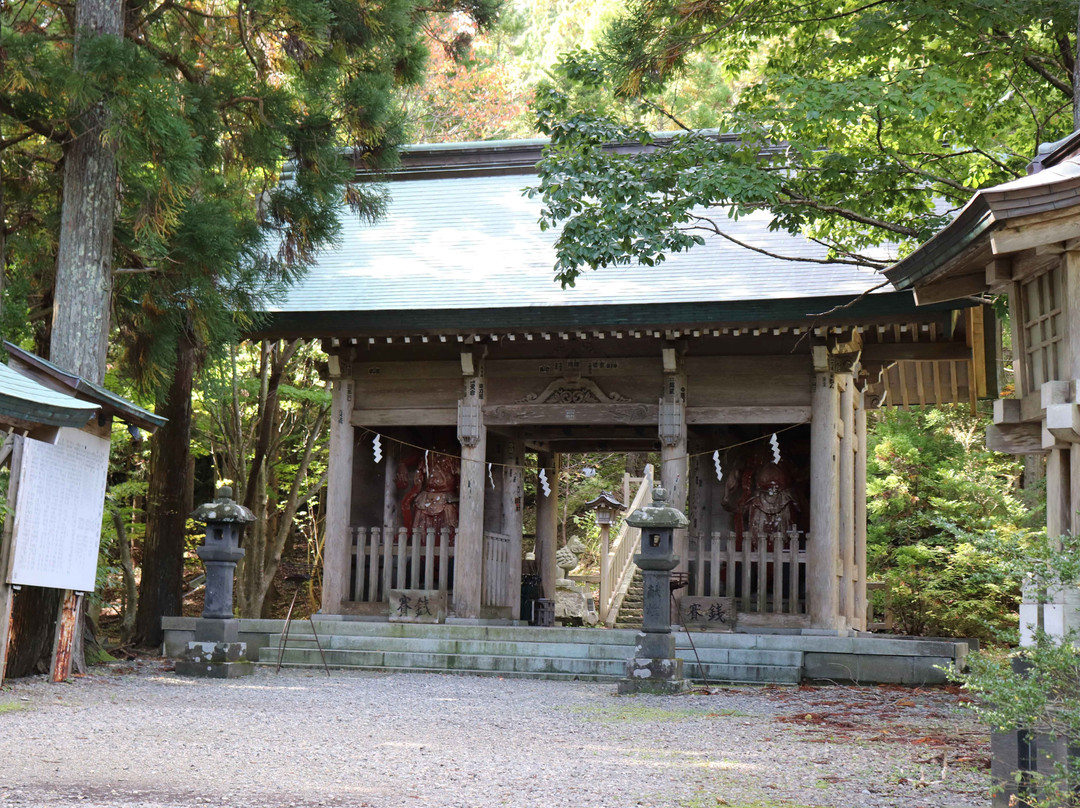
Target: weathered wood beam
x=405 y=416
x=917 y=351
x=1024 y=235
x=338 y=542
x=469 y=548
x=1015 y=438
x=823 y=545
x=766 y=414
x=951 y=289
x=510 y=414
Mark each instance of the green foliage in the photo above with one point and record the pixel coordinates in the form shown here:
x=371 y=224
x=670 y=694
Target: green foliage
x=1036 y=688
x=946 y=527
x=915 y=104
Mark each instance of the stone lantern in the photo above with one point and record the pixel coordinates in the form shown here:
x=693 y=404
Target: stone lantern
x=655 y=668
x=216 y=651
x=606 y=507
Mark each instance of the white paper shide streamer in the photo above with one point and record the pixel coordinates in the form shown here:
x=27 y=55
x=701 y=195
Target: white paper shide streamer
x=774 y=442
x=491 y=477
x=716 y=462
x=376 y=447
x=544 y=482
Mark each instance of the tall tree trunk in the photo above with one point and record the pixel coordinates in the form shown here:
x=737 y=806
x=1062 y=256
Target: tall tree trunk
x=161 y=593
x=81 y=300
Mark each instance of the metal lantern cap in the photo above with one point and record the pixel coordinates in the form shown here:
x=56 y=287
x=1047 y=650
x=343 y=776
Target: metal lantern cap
x=222 y=509
x=658 y=513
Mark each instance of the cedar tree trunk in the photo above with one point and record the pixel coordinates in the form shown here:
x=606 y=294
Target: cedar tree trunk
x=167 y=505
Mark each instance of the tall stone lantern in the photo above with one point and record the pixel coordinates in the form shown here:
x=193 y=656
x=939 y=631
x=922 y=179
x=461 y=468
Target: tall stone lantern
x=216 y=651
x=654 y=667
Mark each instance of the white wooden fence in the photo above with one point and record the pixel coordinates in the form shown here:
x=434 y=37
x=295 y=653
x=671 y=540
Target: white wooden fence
x=385 y=559
x=765 y=574
x=497 y=589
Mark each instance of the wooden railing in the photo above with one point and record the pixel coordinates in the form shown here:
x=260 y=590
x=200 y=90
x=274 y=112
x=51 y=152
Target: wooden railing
x=765 y=574
x=385 y=559
x=496 y=577
x=617 y=560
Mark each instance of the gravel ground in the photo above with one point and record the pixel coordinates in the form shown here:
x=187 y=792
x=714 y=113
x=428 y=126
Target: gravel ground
x=137 y=735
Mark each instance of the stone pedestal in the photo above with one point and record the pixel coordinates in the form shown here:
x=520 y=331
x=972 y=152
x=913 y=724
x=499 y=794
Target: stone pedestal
x=654 y=667
x=215 y=660
x=215 y=652
x=575 y=603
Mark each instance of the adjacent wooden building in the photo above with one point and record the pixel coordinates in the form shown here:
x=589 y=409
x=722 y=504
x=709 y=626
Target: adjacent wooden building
x=456 y=359
x=1021 y=239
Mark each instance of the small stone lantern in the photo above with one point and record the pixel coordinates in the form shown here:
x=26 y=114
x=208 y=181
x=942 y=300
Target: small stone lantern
x=216 y=651
x=655 y=668
x=605 y=507
x=221 y=550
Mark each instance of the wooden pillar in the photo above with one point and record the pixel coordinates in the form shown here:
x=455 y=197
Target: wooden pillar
x=860 y=510
x=674 y=470
x=547 y=510
x=823 y=549
x=846 y=492
x=513 y=495
x=469 y=545
x=7 y=551
x=391 y=519
x=337 y=546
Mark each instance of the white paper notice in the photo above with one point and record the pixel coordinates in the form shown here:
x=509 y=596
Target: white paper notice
x=58 y=514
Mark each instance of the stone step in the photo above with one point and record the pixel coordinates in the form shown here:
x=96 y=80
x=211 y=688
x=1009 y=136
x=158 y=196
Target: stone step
x=609 y=670
x=707 y=654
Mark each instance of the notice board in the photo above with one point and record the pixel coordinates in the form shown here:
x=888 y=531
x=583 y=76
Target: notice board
x=58 y=514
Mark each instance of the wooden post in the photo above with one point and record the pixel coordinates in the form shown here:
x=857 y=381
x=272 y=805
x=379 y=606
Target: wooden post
x=674 y=470
x=860 y=510
x=68 y=625
x=391 y=512
x=337 y=545
x=547 y=509
x=7 y=550
x=1058 y=518
x=469 y=546
x=846 y=492
x=513 y=496
x=699 y=513
x=823 y=545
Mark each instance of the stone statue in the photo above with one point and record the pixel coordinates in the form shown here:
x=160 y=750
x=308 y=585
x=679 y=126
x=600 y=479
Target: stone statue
x=566 y=558
x=771 y=508
x=430 y=491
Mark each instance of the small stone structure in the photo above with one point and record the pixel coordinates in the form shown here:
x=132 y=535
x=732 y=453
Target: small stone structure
x=654 y=667
x=216 y=651
x=573 y=602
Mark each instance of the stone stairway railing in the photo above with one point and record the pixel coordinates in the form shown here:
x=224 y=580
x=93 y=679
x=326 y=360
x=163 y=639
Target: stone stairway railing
x=617 y=566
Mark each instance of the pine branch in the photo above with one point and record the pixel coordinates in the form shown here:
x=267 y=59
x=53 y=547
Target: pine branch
x=47 y=130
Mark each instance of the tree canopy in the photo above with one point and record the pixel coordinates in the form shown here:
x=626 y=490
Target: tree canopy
x=856 y=124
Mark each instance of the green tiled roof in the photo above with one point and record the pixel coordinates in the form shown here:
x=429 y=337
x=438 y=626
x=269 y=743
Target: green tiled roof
x=24 y=399
x=464 y=249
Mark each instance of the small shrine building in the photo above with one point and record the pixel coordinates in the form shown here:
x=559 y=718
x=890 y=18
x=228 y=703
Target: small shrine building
x=454 y=356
